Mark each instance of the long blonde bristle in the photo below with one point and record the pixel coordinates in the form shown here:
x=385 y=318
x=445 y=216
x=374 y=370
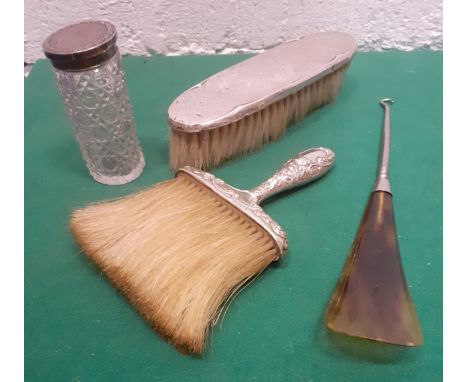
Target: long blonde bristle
x=207 y=149
x=178 y=251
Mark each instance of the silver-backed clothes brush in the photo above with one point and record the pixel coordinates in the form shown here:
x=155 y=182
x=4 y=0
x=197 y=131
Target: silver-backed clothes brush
x=239 y=109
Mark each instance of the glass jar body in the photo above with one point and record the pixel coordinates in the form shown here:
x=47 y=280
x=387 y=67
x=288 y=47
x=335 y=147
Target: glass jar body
x=99 y=109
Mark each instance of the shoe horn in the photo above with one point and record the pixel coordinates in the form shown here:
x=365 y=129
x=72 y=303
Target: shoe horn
x=371 y=299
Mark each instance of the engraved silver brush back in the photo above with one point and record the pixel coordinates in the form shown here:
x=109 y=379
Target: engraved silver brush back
x=260 y=81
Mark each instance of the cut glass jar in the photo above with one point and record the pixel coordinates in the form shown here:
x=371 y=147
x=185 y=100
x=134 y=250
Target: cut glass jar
x=91 y=81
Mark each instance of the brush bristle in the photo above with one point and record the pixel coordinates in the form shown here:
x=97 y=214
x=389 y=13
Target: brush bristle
x=178 y=251
x=207 y=149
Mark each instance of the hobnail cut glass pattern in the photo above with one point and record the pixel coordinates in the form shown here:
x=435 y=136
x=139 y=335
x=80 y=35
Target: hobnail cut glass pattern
x=101 y=115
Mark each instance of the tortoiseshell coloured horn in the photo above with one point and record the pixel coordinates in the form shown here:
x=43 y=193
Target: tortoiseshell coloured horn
x=371 y=299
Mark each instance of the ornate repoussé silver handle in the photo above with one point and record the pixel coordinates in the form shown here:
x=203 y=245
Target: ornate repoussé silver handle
x=303 y=168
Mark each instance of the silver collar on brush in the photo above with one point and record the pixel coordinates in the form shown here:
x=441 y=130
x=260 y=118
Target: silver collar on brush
x=303 y=168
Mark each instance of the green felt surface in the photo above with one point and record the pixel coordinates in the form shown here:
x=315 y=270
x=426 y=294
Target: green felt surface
x=78 y=328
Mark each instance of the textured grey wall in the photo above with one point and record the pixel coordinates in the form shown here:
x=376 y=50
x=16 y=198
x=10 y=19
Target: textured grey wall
x=175 y=27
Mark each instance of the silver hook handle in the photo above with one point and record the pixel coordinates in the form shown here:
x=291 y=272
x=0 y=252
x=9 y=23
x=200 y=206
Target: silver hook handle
x=382 y=182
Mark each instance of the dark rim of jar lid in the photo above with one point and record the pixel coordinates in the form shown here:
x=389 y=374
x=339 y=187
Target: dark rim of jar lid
x=81 y=46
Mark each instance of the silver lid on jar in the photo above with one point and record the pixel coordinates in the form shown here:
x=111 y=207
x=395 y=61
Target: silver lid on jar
x=81 y=46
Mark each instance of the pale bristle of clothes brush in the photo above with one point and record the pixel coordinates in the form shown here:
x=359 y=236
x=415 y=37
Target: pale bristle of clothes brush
x=248 y=104
x=180 y=249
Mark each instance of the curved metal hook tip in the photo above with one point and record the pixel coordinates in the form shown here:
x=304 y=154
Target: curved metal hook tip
x=385 y=102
